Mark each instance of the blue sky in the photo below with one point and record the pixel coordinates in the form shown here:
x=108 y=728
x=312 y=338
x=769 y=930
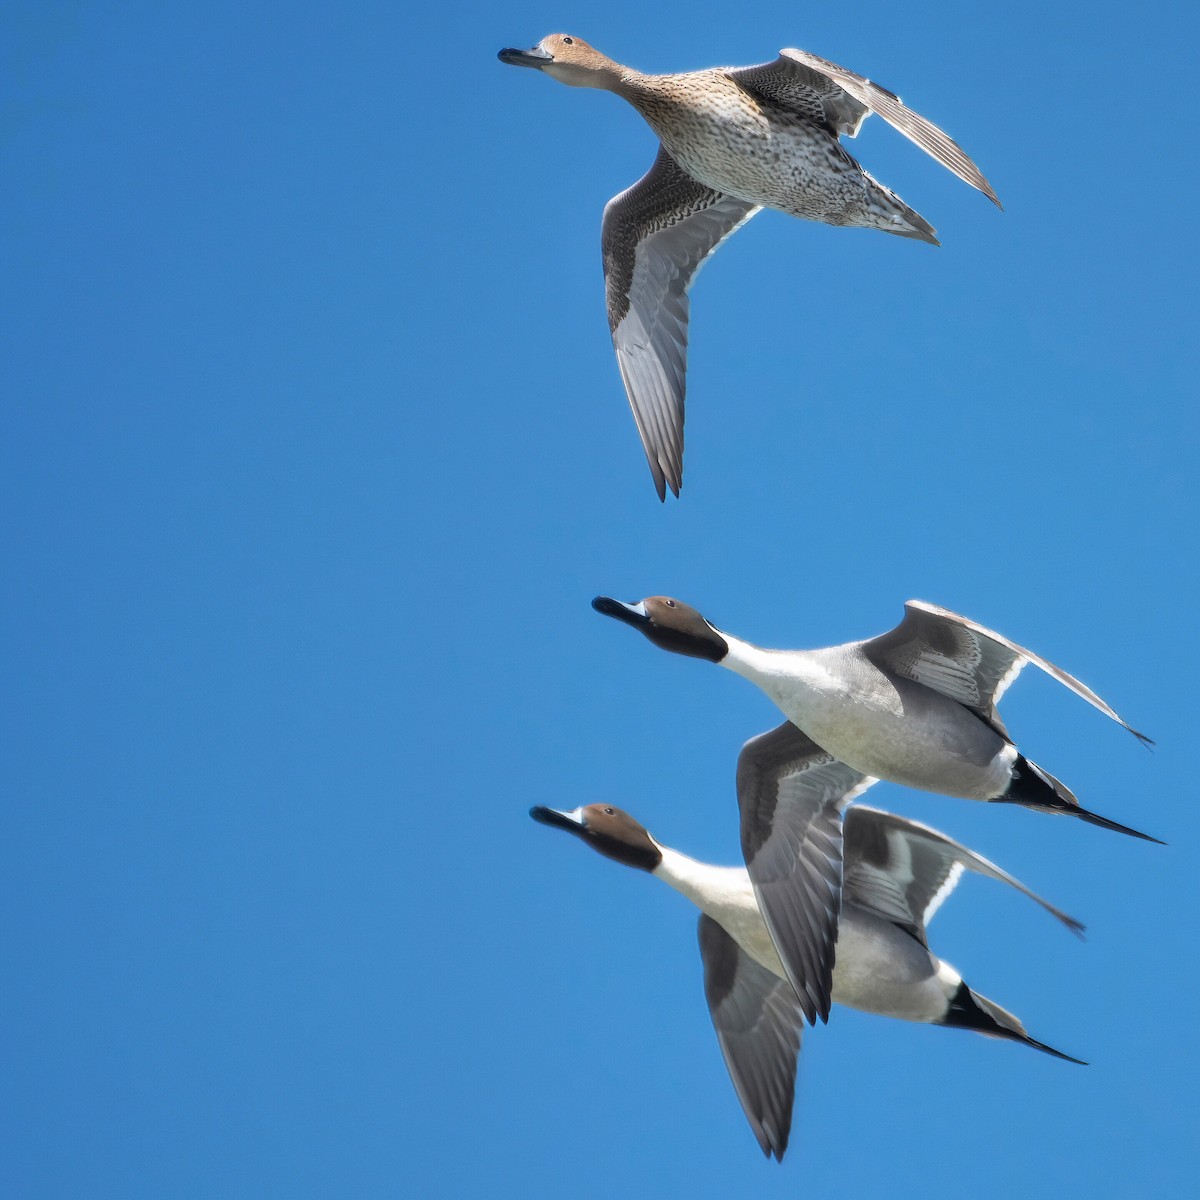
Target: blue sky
x=315 y=452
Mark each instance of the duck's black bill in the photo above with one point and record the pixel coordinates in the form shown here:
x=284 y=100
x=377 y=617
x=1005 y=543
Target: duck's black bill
x=630 y=614
x=524 y=58
x=556 y=819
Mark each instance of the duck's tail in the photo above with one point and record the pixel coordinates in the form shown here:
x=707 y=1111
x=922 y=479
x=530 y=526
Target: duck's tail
x=971 y=1011
x=889 y=213
x=1033 y=787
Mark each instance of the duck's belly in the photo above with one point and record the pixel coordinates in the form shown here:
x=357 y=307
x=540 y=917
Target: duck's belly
x=942 y=757
x=780 y=161
x=881 y=969
x=911 y=735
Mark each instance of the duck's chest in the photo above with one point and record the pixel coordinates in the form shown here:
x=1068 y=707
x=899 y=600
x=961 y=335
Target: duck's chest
x=738 y=913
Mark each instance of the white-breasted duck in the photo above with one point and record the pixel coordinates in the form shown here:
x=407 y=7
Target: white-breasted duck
x=915 y=706
x=898 y=872
x=733 y=140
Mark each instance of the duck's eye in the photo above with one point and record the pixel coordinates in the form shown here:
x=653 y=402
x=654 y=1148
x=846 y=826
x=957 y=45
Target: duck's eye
x=610 y=812
x=670 y=603
x=568 y=41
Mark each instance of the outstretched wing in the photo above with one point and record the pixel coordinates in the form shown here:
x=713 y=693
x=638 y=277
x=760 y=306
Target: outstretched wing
x=654 y=238
x=791 y=794
x=758 y=1021
x=812 y=85
x=966 y=661
x=903 y=870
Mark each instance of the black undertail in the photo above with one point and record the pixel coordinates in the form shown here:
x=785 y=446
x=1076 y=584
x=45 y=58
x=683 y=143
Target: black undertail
x=1032 y=787
x=968 y=1011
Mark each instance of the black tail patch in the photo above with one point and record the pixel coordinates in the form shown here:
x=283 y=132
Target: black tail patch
x=966 y=1012
x=1032 y=787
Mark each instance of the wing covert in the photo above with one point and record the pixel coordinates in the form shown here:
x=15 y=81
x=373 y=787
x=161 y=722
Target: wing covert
x=967 y=661
x=924 y=133
x=903 y=870
x=803 y=89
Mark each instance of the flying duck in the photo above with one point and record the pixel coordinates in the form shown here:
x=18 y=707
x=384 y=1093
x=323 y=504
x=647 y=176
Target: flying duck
x=898 y=873
x=916 y=705
x=733 y=140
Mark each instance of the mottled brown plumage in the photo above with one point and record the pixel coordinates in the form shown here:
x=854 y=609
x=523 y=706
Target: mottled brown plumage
x=733 y=140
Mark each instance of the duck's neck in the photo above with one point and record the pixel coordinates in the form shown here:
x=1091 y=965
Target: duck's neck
x=598 y=71
x=631 y=85
x=702 y=883
x=787 y=676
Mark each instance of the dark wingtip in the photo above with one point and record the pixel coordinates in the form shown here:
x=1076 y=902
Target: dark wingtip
x=662 y=481
x=771 y=1146
x=823 y=1001
x=815 y=1000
